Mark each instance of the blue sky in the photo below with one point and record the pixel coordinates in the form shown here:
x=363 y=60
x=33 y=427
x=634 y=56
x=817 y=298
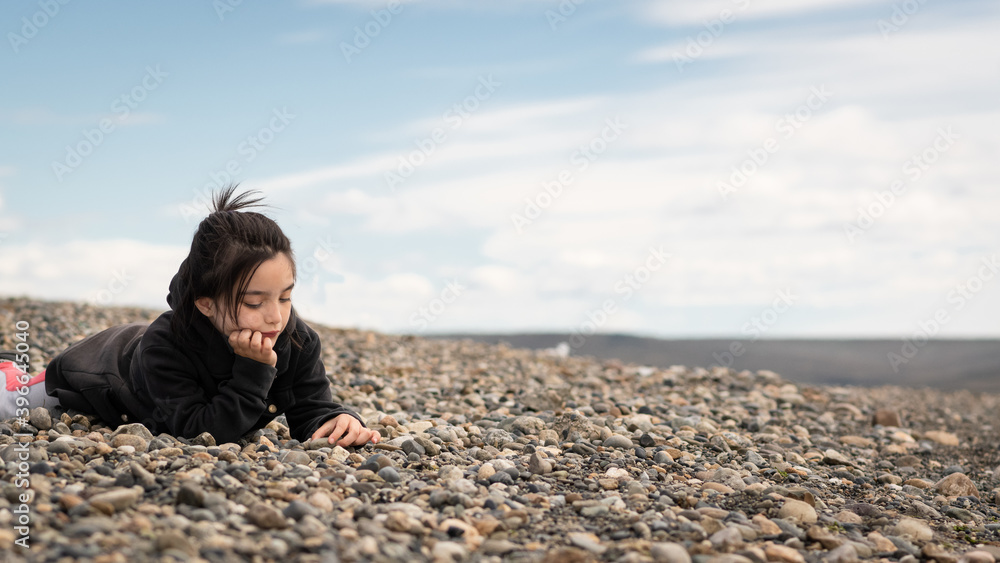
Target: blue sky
x=714 y=168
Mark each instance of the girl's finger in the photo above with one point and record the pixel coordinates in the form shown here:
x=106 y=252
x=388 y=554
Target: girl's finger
x=350 y=437
x=339 y=429
x=323 y=430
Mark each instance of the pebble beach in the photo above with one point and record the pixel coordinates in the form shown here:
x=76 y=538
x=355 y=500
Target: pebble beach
x=491 y=454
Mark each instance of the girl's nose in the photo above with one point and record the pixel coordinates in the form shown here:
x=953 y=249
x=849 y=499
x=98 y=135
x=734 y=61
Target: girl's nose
x=272 y=313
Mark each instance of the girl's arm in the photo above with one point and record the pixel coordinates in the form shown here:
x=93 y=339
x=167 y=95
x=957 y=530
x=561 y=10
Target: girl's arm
x=314 y=403
x=180 y=400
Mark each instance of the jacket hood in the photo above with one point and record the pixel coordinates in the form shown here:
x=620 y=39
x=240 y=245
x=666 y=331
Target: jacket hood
x=174 y=291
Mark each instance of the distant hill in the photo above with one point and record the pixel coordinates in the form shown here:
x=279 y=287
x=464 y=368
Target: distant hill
x=945 y=364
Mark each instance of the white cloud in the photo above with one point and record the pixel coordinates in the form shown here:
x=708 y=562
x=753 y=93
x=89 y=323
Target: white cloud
x=365 y=303
x=365 y=167
x=505 y=119
x=114 y=272
x=501 y=280
x=685 y=13
x=524 y=130
x=657 y=184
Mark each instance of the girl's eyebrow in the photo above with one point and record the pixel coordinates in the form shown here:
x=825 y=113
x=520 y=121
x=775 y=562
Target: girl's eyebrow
x=268 y=292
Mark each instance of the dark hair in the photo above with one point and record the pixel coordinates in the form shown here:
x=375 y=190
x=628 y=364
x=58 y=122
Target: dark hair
x=228 y=247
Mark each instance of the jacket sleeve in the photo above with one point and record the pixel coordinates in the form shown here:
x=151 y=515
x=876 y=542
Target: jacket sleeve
x=314 y=403
x=174 y=388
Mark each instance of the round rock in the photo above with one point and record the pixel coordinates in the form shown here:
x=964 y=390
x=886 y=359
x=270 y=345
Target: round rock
x=40 y=418
x=265 y=516
x=389 y=474
x=669 y=552
x=913 y=529
x=957 y=485
x=797 y=511
x=136 y=442
x=619 y=442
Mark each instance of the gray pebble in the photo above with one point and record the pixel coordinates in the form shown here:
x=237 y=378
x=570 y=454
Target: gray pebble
x=60 y=447
x=191 y=494
x=40 y=418
x=294 y=456
x=430 y=448
x=619 y=442
x=412 y=447
x=389 y=474
x=297 y=509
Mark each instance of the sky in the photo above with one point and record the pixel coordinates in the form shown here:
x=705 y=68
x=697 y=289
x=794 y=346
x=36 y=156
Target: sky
x=681 y=169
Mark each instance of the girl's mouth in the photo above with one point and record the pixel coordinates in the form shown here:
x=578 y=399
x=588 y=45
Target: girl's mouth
x=271 y=335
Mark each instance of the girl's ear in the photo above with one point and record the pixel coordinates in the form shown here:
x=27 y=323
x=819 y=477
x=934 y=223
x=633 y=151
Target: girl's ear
x=206 y=305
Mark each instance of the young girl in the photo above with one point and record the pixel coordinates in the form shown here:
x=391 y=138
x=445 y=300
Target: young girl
x=230 y=355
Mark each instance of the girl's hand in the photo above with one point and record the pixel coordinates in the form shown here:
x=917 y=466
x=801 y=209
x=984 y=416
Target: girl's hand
x=345 y=430
x=253 y=345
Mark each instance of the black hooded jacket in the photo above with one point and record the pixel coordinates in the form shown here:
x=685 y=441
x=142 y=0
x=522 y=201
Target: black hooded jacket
x=139 y=373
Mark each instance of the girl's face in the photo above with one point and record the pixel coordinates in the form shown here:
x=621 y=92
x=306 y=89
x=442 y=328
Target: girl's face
x=266 y=305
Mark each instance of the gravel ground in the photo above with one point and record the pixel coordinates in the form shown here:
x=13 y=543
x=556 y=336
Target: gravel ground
x=495 y=454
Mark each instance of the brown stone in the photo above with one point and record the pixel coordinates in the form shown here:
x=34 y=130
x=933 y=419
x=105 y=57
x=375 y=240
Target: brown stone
x=977 y=556
x=102 y=507
x=886 y=417
x=913 y=529
x=172 y=539
x=265 y=516
x=803 y=495
x=797 y=511
x=608 y=484
x=824 y=537
x=956 y=485
x=858 y=441
x=783 y=553
x=767 y=527
x=718 y=487
x=881 y=543
x=118 y=499
x=68 y=501
x=486 y=525
x=136 y=442
x=848 y=517
x=943 y=438
x=935 y=552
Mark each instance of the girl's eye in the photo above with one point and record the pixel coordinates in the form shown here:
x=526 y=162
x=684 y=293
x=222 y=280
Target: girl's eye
x=257 y=305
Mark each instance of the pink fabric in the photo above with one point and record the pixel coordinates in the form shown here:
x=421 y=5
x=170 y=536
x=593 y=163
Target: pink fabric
x=12 y=374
